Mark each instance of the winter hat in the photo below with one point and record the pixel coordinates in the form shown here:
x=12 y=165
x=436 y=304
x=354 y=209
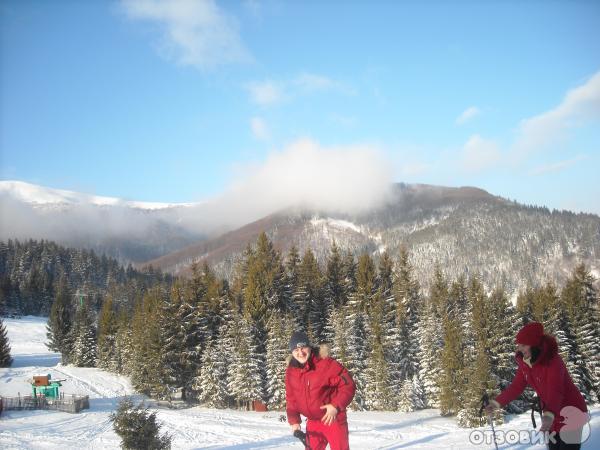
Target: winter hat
x=299 y=339
x=531 y=334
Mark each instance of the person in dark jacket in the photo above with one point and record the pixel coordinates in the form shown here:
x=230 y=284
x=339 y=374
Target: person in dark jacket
x=319 y=388
x=541 y=367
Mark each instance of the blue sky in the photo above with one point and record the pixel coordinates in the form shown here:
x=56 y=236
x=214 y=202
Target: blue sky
x=179 y=101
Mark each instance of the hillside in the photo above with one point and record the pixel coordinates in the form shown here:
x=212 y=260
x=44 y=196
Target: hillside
x=462 y=229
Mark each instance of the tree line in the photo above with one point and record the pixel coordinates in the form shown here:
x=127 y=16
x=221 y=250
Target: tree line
x=31 y=272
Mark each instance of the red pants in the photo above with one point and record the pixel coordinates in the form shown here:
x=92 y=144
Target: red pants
x=336 y=435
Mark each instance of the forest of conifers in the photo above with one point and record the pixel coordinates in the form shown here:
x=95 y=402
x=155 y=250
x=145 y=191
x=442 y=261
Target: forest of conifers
x=224 y=343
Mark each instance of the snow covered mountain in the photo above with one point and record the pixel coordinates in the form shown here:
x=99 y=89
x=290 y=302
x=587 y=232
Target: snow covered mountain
x=461 y=229
x=127 y=230
x=48 y=197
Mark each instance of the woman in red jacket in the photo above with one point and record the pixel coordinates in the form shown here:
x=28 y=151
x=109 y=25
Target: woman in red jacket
x=541 y=367
x=319 y=388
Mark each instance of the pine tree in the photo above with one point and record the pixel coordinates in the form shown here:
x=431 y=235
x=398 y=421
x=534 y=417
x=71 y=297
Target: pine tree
x=334 y=279
x=5 y=358
x=340 y=331
x=357 y=316
x=431 y=340
x=245 y=377
x=408 y=300
x=419 y=392
x=379 y=392
x=580 y=301
x=263 y=288
x=124 y=349
x=60 y=322
x=146 y=373
x=84 y=338
x=406 y=397
x=525 y=305
x=311 y=282
x=334 y=292
x=203 y=314
x=452 y=380
x=479 y=381
x=349 y=268
x=292 y=263
x=279 y=330
x=107 y=337
x=503 y=327
x=357 y=352
x=366 y=275
x=171 y=341
x=211 y=381
x=478 y=374
x=138 y=428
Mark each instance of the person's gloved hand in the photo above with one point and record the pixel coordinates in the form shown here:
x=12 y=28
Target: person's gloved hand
x=546 y=422
x=492 y=406
x=489 y=409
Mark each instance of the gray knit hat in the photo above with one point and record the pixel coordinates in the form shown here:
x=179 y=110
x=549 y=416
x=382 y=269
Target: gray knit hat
x=299 y=339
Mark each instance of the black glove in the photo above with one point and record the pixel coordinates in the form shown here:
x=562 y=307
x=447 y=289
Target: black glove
x=300 y=435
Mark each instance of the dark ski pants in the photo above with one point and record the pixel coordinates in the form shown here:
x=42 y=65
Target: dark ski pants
x=560 y=445
x=336 y=435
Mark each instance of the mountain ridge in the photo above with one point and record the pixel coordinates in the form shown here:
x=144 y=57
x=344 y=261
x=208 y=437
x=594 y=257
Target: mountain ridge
x=462 y=229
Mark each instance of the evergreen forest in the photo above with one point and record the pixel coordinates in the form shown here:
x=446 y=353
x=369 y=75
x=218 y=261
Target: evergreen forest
x=224 y=343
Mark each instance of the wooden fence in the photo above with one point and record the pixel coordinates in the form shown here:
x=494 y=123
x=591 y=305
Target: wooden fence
x=67 y=403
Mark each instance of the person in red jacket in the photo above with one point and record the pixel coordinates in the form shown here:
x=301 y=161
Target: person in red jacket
x=541 y=367
x=319 y=388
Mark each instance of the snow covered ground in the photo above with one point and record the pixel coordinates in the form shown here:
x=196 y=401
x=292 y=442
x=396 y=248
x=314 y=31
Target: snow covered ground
x=200 y=428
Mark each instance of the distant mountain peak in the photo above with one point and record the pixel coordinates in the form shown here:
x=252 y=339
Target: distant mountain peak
x=34 y=194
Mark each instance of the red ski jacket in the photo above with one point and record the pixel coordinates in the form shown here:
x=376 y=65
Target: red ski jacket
x=549 y=377
x=319 y=382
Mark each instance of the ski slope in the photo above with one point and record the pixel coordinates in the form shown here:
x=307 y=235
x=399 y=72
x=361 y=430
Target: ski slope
x=200 y=428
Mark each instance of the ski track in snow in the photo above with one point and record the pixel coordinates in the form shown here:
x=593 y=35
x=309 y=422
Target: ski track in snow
x=200 y=428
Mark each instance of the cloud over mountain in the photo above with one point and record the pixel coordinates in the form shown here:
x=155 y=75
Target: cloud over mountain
x=305 y=173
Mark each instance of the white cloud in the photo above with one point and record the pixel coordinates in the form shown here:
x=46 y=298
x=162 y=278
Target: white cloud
x=265 y=92
x=467 y=115
x=557 y=166
x=259 y=127
x=339 y=179
x=349 y=179
x=580 y=105
x=479 y=154
x=269 y=92
x=195 y=32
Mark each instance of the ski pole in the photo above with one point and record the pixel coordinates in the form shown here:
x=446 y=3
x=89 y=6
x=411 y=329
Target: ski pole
x=302 y=436
x=485 y=400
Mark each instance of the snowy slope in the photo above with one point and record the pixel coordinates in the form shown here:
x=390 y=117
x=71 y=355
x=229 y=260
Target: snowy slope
x=197 y=428
x=40 y=195
x=129 y=231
